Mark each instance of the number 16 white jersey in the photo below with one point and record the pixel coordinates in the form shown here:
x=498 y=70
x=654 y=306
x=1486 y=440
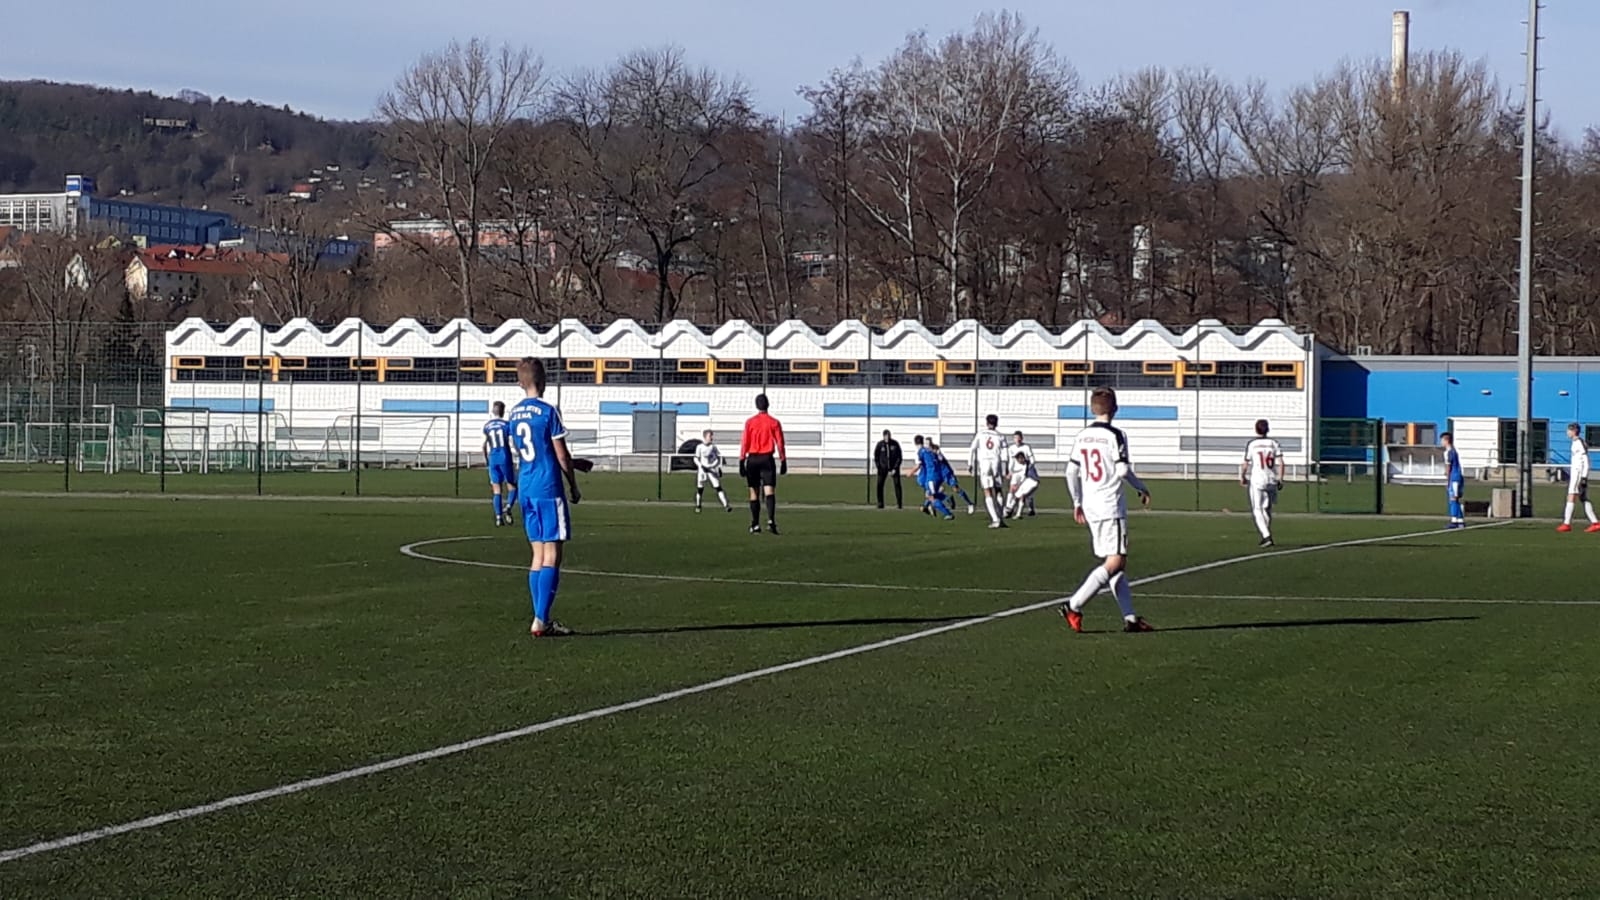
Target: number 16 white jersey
x=1261 y=457
x=1100 y=461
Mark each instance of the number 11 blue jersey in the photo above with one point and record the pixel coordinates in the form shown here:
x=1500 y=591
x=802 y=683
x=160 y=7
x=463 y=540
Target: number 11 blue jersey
x=535 y=427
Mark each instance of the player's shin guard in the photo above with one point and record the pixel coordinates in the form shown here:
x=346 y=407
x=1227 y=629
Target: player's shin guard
x=1093 y=584
x=1124 y=594
x=549 y=578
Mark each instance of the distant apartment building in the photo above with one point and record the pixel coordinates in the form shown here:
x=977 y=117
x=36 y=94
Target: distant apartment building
x=179 y=273
x=76 y=210
x=494 y=233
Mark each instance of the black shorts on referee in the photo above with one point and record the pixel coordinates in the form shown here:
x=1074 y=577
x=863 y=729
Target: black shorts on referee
x=760 y=470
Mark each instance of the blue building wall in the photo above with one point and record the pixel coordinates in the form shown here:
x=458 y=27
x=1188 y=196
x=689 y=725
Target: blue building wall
x=161 y=224
x=1419 y=389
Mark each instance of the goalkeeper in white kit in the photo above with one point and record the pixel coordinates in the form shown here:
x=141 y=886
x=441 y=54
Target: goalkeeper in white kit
x=1262 y=473
x=708 y=470
x=1097 y=469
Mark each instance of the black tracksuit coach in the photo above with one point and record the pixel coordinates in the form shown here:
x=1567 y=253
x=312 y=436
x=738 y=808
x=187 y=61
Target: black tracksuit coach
x=886 y=456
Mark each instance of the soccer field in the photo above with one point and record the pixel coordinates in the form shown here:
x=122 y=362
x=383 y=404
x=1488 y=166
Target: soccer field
x=865 y=706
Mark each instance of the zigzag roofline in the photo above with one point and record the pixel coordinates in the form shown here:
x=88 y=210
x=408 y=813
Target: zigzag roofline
x=965 y=331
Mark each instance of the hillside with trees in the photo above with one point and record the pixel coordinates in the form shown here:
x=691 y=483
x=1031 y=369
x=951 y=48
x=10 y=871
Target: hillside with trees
x=190 y=151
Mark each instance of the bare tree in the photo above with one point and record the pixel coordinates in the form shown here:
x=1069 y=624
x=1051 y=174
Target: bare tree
x=446 y=117
x=833 y=135
x=68 y=282
x=653 y=132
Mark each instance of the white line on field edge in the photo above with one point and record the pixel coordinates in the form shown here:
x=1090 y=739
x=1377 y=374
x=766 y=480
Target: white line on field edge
x=1295 y=598
x=296 y=787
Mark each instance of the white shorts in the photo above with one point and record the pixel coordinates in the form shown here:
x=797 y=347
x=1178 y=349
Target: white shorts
x=1263 y=497
x=1025 y=487
x=1578 y=487
x=990 y=481
x=1109 y=537
x=702 y=477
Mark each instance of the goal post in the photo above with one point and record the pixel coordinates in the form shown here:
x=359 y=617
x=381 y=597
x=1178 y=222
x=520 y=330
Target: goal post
x=1349 y=467
x=391 y=440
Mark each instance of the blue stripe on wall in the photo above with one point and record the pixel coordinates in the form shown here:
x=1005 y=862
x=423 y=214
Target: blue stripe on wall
x=435 y=406
x=881 y=410
x=223 y=404
x=624 y=408
x=1126 y=413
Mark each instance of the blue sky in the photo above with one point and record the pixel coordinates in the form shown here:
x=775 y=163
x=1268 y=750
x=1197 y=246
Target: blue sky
x=334 y=59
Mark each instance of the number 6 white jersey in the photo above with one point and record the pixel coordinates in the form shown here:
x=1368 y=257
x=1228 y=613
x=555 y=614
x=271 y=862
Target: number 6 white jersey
x=1097 y=471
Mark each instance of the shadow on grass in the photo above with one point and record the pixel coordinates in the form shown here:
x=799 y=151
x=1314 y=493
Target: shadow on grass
x=779 y=626
x=1319 y=623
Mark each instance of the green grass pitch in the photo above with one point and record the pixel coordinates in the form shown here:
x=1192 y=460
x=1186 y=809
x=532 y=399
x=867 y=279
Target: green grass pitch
x=1412 y=717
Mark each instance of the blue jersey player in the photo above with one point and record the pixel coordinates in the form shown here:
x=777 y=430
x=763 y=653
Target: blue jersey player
x=497 y=456
x=947 y=474
x=1455 y=482
x=539 y=443
x=931 y=477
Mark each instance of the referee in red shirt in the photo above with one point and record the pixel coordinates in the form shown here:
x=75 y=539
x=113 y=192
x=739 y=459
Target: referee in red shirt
x=762 y=459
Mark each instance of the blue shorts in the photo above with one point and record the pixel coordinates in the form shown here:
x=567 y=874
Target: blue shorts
x=546 y=519
x=502 y=472
x=933 y=487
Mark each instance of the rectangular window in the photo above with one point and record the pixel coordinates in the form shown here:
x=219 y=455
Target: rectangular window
x=1539 y=438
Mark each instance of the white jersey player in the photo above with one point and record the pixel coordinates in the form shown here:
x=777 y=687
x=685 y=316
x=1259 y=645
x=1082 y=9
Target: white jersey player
x=1262 y=473
x=989 y=463
x=1024 y=484
x=1097 y=470
x=1021 y=446
x=1578 y=482
x=708 y=470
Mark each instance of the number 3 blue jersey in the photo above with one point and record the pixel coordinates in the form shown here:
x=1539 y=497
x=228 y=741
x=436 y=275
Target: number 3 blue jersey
x=535 y=427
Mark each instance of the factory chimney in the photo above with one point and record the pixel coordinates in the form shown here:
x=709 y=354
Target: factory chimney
x=1399 y=53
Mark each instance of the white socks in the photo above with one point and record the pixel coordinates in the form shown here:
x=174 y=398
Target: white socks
x=992 y=506
x=1093 y=584
x=1124 y=593
x=1566 y=517
x=1263 y=521
x=1588 y=510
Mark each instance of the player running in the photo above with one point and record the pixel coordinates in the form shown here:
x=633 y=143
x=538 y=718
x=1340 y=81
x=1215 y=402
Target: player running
x=1262 y=473
x=539 y=441
x=1097 y=469
x=1024 y=484
x=708 y=470
x=497 y=457
x=988 y=463
x=947 y=476
x=762 y=458
x=1455 y=481
x=1578 y=483
x=1021 y=446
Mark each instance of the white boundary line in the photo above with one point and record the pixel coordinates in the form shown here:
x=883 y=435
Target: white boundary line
x=1473 y=601
x=296 y=787
x=412 y=551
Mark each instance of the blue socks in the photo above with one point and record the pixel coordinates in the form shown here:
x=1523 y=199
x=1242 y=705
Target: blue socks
x=498 y=509
x=542 y=584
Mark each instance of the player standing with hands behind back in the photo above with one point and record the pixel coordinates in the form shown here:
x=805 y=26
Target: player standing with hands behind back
x=762 y=458
x=1262 y=473
x=539 y=444
x=1096 y=471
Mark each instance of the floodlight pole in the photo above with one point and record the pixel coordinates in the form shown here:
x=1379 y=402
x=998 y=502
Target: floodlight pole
x=1525 y=275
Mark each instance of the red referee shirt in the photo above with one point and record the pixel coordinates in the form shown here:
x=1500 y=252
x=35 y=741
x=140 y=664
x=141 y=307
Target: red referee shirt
x=762 y=434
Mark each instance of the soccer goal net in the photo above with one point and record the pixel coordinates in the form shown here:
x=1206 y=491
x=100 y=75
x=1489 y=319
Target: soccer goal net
x=390 y=441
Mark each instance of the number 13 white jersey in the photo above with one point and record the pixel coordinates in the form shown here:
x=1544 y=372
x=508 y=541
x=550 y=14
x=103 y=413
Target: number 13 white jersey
x=1100 y=460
